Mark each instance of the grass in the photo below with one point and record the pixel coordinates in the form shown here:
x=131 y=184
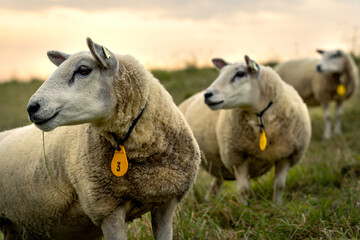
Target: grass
x=184 y=83
x=321 y=200
x=14 y=97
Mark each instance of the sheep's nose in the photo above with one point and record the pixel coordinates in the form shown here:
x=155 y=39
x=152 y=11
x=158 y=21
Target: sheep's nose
x=208 y=94
x=33 y=108
x=318 y=68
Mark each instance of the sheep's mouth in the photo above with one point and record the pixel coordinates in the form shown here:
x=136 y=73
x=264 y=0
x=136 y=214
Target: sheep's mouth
x=211 y=104
x=46 y=120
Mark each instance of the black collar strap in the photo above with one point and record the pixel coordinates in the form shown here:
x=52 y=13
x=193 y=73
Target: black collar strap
x=339 y=77
x=122 y=141
x=259 y=115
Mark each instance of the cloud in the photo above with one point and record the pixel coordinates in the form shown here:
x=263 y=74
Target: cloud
x=193 y=9
x=170 y=33
x=186 y=9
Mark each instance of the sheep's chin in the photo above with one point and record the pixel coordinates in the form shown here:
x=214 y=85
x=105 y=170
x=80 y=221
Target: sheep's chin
x=47 y=126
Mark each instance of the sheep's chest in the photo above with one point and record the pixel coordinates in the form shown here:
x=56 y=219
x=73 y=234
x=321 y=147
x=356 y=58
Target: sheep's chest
x=260 y=161
x=242 y=142
x=75 y=224
x=154 y=178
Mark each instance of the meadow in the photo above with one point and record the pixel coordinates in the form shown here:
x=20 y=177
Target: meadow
x=322 y=197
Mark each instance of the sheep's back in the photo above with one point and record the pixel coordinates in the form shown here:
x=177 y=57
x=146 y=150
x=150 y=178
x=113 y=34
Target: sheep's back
x=30 y=198
x=301 y=74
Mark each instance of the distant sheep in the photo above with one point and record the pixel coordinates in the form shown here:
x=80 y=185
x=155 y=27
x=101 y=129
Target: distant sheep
x=260 y=121
x=120 y=104
x=333 y=78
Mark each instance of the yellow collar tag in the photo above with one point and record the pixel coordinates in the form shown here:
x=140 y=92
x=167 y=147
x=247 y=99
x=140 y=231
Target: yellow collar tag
x=262 y=140
x=119 y=163
x=341 y=90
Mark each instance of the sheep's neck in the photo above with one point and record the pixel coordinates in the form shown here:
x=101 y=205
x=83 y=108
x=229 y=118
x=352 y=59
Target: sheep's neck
x=339 y=77
x=130 y=103
x=345 y=76
x=260 y=114
x=263 y=102
x=121 y=141
x=347 y=73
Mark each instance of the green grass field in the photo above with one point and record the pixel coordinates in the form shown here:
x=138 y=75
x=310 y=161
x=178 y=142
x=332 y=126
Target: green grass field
x=320 y=202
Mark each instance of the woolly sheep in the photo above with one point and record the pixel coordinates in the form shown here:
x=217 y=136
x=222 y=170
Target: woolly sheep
x=332 y=78
x=82 y=198
x=240 y=103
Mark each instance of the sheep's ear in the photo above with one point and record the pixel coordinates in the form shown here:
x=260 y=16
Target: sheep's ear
x=57 y=57
x=101 y=54
x=252 y=65
x=320 y=51
x=219 y=63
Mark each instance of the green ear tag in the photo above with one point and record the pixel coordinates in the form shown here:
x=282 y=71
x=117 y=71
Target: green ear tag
x=255 y=66
x=106 y=52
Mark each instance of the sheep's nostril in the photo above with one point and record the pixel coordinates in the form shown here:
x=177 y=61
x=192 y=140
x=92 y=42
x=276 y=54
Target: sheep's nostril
x=318 y=68
x=208 y=94
x=33 y=108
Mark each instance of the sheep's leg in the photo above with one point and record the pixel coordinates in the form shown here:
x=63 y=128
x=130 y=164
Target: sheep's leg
x=10 y=234
x=281 y=170
x=214 y=188
x=114 y=225
x=338 y=115
x=327 y=120
x=242 y=181
x=161 y=220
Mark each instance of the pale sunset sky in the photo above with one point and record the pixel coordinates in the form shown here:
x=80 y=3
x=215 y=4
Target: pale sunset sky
x=173 y=33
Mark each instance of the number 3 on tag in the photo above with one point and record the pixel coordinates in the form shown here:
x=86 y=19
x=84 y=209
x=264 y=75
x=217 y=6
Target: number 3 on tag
x=119 y=163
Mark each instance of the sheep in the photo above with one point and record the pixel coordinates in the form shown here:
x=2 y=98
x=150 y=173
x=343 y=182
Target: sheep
x=332 y=78
x=105 y=104
x=251 y=120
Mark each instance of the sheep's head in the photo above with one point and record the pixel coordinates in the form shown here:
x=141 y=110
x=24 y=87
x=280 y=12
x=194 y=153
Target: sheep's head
x=79 y=91
x=235 y=86
x=331 y=61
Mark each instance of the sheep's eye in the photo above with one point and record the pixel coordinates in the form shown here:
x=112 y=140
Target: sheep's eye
x=335 y=55
x=240 y=74
x=83 y=70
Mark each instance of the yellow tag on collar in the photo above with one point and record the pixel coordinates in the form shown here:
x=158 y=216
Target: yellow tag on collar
x=119 y=163
x=106 y=52
x=341 y=90
x=262 y=140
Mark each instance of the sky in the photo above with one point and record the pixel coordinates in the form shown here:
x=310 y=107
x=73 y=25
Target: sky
x=171 y=34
